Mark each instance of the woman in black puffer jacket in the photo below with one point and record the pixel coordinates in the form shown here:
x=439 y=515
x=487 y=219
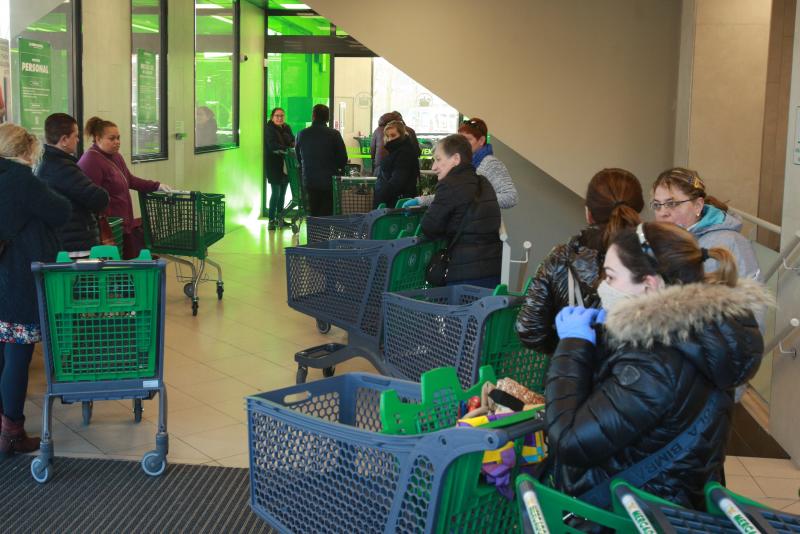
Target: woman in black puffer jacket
x=475 y=257
x=59 y=169
x=676 y=343
x=613 y=201
x=399 y=169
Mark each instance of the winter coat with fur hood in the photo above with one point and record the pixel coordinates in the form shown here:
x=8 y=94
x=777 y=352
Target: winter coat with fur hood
x=662 y=356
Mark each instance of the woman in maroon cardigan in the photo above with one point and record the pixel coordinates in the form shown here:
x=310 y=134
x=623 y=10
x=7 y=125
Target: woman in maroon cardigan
x=106 y=167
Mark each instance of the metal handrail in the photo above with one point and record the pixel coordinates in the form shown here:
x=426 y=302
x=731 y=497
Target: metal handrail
x=772 y=227
x=777 y=341
x=505 y=268
x=780 y=261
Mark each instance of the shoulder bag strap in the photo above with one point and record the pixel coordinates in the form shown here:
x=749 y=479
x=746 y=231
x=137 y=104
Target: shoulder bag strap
x=575 y=298
x=467 y=213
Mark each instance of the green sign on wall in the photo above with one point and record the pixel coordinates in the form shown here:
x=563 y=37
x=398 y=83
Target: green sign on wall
x=146 y=97
x=36 y=95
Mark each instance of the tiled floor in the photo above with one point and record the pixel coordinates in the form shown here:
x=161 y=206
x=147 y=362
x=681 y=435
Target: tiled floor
x=245 y=344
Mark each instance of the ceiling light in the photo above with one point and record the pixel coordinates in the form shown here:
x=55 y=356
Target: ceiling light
x=207 y=6
x=294 y=6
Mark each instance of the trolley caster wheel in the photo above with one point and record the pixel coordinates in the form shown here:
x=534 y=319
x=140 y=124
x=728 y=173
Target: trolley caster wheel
x=195 y=305
x=302 y=374
x=188 y=290
x=41 y=470
x=327 y=372
x=220 y=291
x=86 y=408
x=137 y=410
x=154 y=464
x=323 y=327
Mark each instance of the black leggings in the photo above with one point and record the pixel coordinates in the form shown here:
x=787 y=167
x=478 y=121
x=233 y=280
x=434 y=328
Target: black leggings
x=15 y=359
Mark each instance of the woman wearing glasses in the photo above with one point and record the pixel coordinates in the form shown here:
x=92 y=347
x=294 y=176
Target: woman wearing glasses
x=647 y=397
x=279 y=139
x=680 y=197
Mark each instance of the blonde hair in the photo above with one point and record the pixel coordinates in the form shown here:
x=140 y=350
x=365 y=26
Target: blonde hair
x=397 y=126
x=17 y=144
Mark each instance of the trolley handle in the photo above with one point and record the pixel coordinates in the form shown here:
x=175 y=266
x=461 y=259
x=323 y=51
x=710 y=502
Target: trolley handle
x=97 y=265
x=523 y=428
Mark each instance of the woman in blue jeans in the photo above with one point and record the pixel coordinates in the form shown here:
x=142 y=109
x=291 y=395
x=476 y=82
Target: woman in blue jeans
x=279 y=139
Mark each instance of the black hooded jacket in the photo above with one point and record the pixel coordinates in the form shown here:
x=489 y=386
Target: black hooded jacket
x=549 y=290
x=61 y=172
x=477 y=254
x=398 y=173
x=663 y=355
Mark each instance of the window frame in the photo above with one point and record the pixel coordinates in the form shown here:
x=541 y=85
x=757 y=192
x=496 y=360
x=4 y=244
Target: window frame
x=162 y=89
x=235 y=72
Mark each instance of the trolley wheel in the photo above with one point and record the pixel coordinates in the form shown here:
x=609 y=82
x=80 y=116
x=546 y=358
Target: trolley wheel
x=154 y=463
x=188 y=289
x=41 y=470
x=86 y=407
x=195 y=305
x=137 y=410
x=327 y=372
x=220 y=290
x=323 y=327
x=302 y=374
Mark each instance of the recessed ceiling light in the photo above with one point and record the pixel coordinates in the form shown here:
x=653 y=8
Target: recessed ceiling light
x=294 y=6
x=207 y=6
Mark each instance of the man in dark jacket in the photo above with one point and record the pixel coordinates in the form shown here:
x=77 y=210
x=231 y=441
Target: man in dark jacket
x=475 y=257
x=322 y=155
x=59 y=169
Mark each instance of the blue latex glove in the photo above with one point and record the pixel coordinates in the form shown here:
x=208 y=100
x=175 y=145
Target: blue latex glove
x=410 y=203
x=601 y=317
x=576 y=321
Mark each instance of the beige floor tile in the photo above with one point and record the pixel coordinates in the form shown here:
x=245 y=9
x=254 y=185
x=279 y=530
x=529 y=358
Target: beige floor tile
x=111 y=438
x=222 y=390
x=793 y=509
x=770 y=467
x=745 y=486
x=102 y=412
x=734 y=466
x=220 y=443
x=179 y=452
x=239 y=460
x=778 y=504
x=779 y=488
x=241 y=365
x=187 y=377
x=234 y=408
x=198 y=419
x=177 y=399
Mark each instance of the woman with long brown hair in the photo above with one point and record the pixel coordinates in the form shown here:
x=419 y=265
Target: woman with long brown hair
x=613 y=202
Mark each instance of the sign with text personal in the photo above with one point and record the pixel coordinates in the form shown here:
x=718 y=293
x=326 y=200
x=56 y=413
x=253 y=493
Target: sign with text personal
x=35 y=79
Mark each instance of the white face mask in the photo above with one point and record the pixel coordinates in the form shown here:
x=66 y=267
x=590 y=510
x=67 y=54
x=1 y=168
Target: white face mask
x=611 y=296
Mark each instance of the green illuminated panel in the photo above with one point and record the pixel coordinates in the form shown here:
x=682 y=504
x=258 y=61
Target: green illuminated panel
x=298 y=25
x=296 y=83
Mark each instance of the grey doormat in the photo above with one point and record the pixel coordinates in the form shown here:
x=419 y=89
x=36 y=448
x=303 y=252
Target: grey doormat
x=90 y=495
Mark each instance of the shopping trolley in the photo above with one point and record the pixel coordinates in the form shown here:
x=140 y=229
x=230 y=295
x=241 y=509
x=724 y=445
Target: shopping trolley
x=323 y=460
x=103 y=339
x=117 y=231
x=183 y=224
x=458 y=326
x=353 y=194
x=382 y=223
x=294 y=210
x=746 y=512
x=341 y=283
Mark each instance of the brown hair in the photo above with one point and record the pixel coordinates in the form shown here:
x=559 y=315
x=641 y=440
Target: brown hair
x=58 y=125
x=674 y=254
x=456 y=144
x=397 y=126
x=95 y=127
x=475 y=127
x=17 y=144
x=614 y=199
x=274 y=111
x=690 y=183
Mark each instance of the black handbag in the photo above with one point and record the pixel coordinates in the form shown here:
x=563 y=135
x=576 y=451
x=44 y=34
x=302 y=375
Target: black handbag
x=436 y=273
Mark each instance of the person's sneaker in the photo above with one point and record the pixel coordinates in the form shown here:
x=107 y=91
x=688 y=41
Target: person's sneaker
x=271 y=225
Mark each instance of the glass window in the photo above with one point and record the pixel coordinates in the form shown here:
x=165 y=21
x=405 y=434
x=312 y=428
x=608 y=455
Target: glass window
x=216 y=71
x=38 y=63
x=298 y=25
x=296 y=83
x=148 y=77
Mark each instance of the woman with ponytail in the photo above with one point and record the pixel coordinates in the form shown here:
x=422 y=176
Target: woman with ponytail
x=613 y=202
x=643 y=389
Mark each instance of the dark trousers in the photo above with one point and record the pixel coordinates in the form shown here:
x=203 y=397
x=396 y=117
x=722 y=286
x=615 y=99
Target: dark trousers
x=276 y=199
x=15 y=358
x=320 y=202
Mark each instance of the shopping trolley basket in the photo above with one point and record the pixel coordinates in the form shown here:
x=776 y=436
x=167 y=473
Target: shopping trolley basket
x=294 y=210
x=341 y=282
x=180 y=225
x=748 y=513
x=458 y=326
x=382 y=223
x=103 y=339
x=353 y=194
x=321 y=461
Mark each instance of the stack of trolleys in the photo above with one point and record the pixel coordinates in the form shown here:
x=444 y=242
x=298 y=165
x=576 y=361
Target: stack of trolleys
x=185 y=223
x=295 y=210
x=353 y=194
x=381 y=223
x=360 y=453
x=342 y=282
x=103 y=339
x=459 y=326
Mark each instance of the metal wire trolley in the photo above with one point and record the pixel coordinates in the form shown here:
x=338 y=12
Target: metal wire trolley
x=103 y=339
x=459 y=326
x=353 y=194
x=185 y=223
x=383 y=223
x=369 y=454
x=341 y=282
x=295 y=210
